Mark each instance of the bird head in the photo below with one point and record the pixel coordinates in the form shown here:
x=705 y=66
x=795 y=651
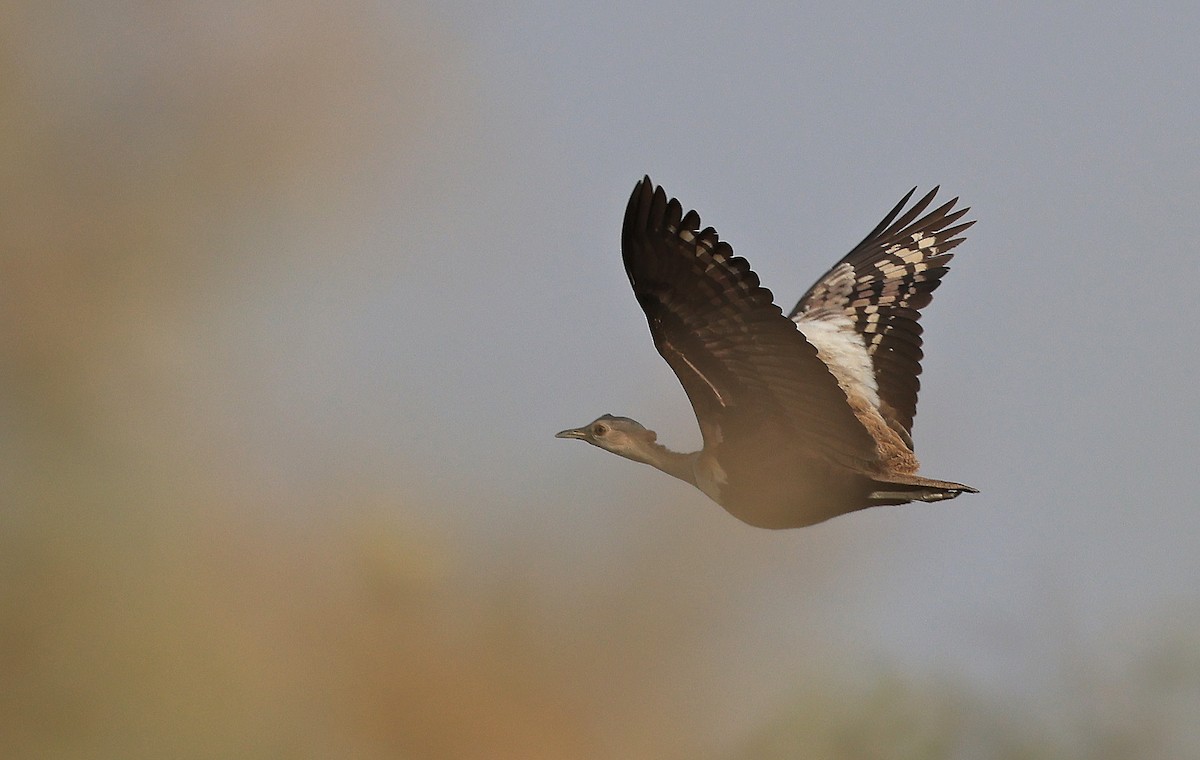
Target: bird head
x=620 y=435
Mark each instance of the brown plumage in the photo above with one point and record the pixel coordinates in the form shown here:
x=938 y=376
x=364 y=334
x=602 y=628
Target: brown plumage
x=803 y=418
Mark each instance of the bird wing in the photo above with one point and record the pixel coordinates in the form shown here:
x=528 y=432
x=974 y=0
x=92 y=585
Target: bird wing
x=881 y=286
x=745 y=367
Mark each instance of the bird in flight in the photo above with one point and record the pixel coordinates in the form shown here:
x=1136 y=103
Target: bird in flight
x=804 y=417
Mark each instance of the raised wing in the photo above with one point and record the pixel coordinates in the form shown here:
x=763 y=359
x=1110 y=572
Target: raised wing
x=880 y=287
x=745 y=366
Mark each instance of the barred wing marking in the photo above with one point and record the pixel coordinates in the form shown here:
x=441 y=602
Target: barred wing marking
x=873 y=298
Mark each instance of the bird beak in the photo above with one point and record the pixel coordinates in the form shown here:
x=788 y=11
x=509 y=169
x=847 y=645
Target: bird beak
x=572 y=433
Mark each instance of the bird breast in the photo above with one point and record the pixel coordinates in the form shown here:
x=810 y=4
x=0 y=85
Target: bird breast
x=710 y=476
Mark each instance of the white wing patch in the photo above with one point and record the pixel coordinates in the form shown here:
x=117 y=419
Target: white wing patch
x=844 y=351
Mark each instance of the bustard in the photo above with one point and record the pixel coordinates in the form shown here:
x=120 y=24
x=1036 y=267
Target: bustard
x=803 y=417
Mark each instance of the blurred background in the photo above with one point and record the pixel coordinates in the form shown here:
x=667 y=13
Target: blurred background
x=293 y=296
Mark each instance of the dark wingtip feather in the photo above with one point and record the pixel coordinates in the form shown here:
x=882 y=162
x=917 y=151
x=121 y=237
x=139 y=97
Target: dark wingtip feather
x=917 y=209
x=887 y=219
x=674 y=214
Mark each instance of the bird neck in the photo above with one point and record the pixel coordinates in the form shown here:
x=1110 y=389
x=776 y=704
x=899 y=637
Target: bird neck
x=676 y=463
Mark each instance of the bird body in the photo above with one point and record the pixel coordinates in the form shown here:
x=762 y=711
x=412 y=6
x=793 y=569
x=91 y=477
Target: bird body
x=804 y=417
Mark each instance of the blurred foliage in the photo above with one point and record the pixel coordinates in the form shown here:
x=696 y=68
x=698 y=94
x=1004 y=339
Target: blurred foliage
x=166 y=591
x=1146 y=710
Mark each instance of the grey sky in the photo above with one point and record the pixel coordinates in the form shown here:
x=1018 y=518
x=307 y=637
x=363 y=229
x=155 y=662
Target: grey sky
x=1060 y=359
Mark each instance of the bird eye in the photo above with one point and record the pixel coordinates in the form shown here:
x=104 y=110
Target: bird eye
x=600 y=430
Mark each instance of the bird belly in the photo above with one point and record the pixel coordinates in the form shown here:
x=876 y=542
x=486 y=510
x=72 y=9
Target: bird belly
x=793 y=493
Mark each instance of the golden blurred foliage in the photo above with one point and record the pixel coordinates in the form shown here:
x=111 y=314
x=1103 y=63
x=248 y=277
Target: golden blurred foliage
x=154 y=602
x=164 y=590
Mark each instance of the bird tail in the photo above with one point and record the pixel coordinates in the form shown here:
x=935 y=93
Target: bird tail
x=901 y=489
